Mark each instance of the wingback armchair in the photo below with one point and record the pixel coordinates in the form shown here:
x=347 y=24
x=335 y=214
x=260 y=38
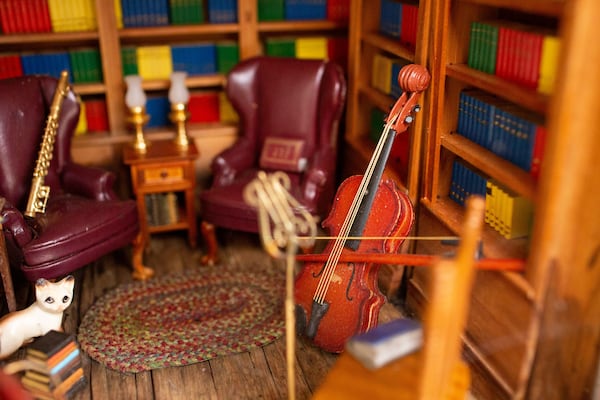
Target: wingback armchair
x=84 y=219
x=289 y=111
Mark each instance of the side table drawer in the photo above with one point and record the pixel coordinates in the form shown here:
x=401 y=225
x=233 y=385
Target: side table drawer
x=163 y=174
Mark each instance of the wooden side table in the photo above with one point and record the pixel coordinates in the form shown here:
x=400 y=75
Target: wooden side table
x=165 y=169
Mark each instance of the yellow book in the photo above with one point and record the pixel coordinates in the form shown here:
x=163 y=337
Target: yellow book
x=72 y=15
x=154 y=62
x=226 y=110
x=119 y=14
x=381 y=74
x=548 y=64
x=311 y=48
x=81 y=128
x=519 y=215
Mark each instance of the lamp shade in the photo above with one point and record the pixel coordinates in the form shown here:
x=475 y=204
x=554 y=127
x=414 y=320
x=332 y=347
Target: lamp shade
x=178 y=93
x=135 y=96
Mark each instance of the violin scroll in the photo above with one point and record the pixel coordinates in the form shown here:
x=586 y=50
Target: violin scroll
x=413 y=79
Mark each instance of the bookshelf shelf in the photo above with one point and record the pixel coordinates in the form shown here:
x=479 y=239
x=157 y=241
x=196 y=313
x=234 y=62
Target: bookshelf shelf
x=496 y=167
x=45 y=39
x=390 y=45
x=301 y=26
x=550 y=8
x=513 y=92
x=173 y=33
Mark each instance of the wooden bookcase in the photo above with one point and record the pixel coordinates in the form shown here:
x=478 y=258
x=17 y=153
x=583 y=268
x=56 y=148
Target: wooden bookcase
x=248 y=32
x=503 y=335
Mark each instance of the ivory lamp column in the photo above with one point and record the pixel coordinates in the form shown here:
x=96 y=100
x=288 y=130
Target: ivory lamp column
x=135 y=99
x=179 y=97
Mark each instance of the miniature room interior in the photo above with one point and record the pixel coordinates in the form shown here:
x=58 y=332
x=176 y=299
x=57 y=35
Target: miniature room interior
x=299 y=199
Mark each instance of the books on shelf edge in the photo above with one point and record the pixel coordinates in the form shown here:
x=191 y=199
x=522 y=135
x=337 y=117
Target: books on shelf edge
x=338 y=10
x=311 y=48
x=386 y=342
x=548 y=63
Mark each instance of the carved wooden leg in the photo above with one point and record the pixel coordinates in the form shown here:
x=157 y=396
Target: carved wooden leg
x=7 y=282
x=208 y=233
x=140 y=271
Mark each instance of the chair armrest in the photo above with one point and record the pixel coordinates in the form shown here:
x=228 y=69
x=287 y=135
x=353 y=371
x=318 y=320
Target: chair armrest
x=226 y=165
x=13 y=222
x=91 y=182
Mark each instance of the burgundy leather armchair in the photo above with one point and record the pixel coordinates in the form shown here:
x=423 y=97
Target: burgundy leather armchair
x=289 y=112
x=84 y=219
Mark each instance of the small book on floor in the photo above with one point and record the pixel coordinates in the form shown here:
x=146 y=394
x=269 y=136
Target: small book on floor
x=386 y=342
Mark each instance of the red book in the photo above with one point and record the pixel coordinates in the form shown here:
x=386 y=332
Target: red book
x=43 y=15
x=538 y=151
x=6 y=14
x=337 y=51
x=10 y=66
x=96 y=115
x=502 y=53
x=24 y=14
x=204 y=107
x=408 y=25
x=338 y=10
x=537 y=40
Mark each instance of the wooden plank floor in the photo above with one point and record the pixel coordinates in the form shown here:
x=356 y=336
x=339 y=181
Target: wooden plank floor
x=259 y=374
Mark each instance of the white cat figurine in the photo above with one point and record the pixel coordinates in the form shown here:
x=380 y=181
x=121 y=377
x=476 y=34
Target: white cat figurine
x=20 y=327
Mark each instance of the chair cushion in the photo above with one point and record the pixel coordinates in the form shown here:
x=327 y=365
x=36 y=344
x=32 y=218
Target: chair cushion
x=225 y=206
x=74 y=231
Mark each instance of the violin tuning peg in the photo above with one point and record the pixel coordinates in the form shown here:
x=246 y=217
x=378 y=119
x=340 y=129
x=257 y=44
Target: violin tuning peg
x=409 y=119
x=417 y=108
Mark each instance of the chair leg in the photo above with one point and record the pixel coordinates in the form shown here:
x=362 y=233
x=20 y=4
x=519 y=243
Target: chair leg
x=140 y=271
x=210 y=238
x=7 y=283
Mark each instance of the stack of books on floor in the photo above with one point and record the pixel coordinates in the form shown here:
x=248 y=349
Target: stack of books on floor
x=58 y=373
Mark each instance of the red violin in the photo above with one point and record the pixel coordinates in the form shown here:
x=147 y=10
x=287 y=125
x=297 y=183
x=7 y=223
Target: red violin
x=336 y=300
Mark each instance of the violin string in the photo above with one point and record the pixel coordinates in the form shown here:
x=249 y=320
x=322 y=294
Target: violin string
x=332 y=261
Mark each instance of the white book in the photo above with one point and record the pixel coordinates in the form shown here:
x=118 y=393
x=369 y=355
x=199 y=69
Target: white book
x=386 y=342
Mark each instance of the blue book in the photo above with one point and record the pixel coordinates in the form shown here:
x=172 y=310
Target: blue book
x=386 y=342
x=195 y=59
x=305 y=9
x=390 y=18
x=158 y=108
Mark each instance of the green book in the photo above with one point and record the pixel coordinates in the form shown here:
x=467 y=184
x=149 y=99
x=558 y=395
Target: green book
x=280 y=47
x=129 y=60
x=271 y=10
x=228 y=55
x=86 y=65
x=490 y=46
x=186 y=12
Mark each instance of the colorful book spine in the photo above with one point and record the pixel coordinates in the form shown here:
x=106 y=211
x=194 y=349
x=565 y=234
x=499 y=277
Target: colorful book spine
x=154 y=62
x=195 y=59
x=311 y=48
x=227 y=113
x=158 y=108
x=280 y=47
x=129 y=60
x=186 y=12
x=96 y=115
x=86 y=65
x=204 y=107
x=72 y=15
x=510 y=214
x=141 y=13
x=409 y=25
x=222 y=11
x=548 y=63
x=10 y=66
x=46 y=64
x=337 y=50
x=390 y=17
x=24 y=16
x=271 y=10
x=228 y=55
x=297 y=10
x=338 y=10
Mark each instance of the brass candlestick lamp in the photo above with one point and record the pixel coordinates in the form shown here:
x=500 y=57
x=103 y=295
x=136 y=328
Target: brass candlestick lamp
x=135 y=99
x=179 y=97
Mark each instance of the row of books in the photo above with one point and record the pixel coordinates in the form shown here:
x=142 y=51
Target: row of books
x=158 y=62
x=161 y=208
x=384 y=74
x=59 y=372
x=508 y=213
x=36 y=16
x=505 y=129
x=399 y=20
x=518 y=53
x=83 y=64
x=322 y=48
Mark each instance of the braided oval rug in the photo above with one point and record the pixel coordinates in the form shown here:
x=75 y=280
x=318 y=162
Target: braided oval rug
x=184 y=318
